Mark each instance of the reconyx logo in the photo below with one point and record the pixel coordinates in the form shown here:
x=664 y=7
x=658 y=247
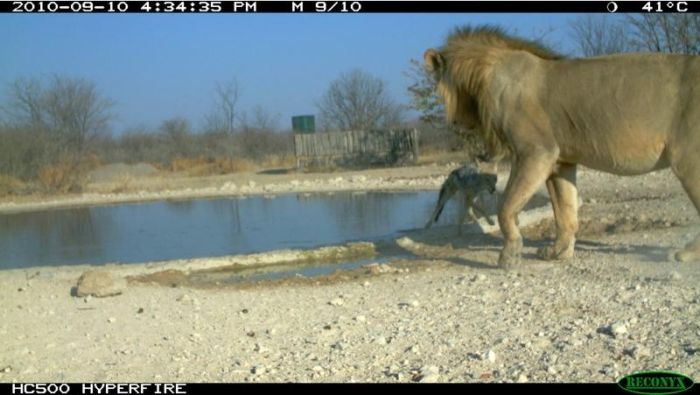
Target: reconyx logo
x=655 y=382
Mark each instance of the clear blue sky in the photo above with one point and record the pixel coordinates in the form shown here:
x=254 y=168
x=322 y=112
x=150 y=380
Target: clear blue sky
x=162 y=66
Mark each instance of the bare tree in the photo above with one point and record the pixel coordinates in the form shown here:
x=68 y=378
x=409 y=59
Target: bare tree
x=177 y=134
x=600 y=35
x=225 y=115
x=672 y=33
x=358 y=101
x=260 y=120
x=24 y=105
x=54 y=125
x=75 y=111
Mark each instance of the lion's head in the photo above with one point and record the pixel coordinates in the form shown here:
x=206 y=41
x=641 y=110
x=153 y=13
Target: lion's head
x=462 y=71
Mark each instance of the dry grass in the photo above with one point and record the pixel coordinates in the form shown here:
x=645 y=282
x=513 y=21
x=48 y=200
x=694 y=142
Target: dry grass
x=68 y=175
x=60 y=178
x=123 y=183
x=202 y=166
x=441 y=157
x=10 y=185
x=278 y=161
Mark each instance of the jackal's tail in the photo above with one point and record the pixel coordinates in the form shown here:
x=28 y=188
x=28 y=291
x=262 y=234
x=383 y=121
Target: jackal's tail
x=442 y=199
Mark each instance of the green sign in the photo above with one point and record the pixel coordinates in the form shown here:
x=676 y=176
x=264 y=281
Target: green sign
x=656 y=382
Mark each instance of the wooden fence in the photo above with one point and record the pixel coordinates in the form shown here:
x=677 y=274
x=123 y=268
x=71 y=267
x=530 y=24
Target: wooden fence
x=358 y=147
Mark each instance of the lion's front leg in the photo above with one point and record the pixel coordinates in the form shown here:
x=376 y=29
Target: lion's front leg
x=564 y=196
x=526 y=176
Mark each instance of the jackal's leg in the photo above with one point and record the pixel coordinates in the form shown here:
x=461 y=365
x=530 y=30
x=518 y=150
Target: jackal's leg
x=464 y=210
x=563 y=194
x=480 y=211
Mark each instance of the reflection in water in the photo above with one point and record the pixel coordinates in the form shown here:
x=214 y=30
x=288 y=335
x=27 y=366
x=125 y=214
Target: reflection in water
x=199 y=228
x=74 y=236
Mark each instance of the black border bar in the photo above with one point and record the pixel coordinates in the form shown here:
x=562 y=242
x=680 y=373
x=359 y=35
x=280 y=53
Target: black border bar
x=196 y=6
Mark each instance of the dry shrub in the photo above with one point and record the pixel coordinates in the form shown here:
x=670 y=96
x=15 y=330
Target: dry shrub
x=123 y=183
x=68 y=175
x=202 y=166
x=240 y=165
x=59 y=178
x=10 y=185
x=278 y=161
x=188 y=164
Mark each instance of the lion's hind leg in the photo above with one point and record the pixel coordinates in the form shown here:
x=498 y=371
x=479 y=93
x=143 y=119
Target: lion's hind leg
x=691 y=184
x=563 y=194
x=685 y=163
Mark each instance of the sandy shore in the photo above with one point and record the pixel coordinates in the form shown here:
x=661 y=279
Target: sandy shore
x=448 y=315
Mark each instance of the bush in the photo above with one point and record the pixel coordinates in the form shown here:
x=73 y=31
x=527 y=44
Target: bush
x=11 y=186
x=68 y=175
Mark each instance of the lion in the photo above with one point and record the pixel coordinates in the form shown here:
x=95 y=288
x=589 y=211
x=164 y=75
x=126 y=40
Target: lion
x=469 y=184
x=626 y=114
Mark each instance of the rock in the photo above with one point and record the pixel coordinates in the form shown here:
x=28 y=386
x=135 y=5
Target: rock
x=407 y=304
x=336 y=302
x=261 y=349
x=674 y=276
x=429 y=374
x=638 y=352
x=618 y=329
x=111 y=320
x=257 y=370
x=380 y=340
x=185 y=298
x=100 y=283
x=522 y=378
x=340 y=346
x=361 y=318
x=479 y=277
x=490 y=356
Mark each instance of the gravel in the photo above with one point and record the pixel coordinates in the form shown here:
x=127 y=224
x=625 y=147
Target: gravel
x=446 y=316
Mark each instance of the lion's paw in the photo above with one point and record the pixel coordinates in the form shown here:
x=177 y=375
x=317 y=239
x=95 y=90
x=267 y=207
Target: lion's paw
x=510 y=255
x=552 y=253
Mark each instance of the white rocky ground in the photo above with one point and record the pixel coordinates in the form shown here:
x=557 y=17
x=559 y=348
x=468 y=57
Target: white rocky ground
x=449 y=315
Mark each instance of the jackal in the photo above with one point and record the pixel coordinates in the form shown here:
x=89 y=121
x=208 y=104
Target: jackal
x=469 y=183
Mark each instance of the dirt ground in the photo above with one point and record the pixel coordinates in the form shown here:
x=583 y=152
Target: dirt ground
x=449 y=315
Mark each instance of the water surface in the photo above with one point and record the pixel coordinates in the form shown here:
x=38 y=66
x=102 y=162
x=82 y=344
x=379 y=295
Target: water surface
x=156 y=231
